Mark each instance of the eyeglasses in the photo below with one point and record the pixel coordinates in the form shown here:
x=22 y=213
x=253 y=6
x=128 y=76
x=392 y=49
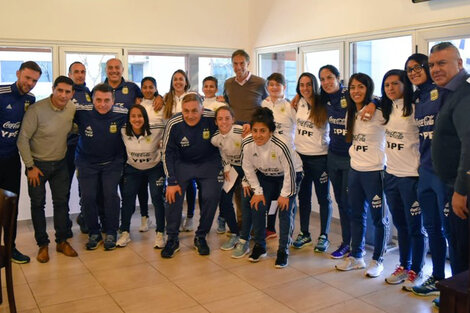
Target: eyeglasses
x=417 y=69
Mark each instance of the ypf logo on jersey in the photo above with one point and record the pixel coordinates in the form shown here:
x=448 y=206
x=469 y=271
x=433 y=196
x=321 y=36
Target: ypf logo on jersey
x=376 y=202
x=415 y=209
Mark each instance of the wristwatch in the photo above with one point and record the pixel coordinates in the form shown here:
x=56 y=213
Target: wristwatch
x=30 y=168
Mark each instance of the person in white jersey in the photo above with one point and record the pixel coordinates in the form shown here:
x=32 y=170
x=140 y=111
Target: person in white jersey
x=365 y=176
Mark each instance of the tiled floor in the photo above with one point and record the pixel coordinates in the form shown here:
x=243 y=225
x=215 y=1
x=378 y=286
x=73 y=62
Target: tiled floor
x=137 y=279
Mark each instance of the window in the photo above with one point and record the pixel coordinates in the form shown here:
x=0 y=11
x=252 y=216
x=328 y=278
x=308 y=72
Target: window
x=95 y=64
x=162 y=66
x=11 y=59
x=376 y=57
x=280 y=62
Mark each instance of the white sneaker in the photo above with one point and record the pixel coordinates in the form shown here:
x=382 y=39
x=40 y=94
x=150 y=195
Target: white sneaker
x=183 y=220
x=124 y=239
x=413 y=280
x=145 y=222
x=374 y=269
x=188 y=224
x=351 y=263
x=159 y=241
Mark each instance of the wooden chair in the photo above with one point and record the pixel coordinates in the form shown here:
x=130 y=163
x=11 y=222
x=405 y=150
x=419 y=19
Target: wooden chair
x=8 y=207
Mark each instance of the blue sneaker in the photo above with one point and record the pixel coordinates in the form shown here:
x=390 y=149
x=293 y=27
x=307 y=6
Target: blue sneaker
x=436 y=302
x=428 y=288
x=322 y=244
x=302 y=241
x=110 y=243
x=94 y=241
x=342 y=251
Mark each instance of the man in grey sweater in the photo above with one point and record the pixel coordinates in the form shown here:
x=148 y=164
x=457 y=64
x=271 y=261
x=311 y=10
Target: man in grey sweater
x=42 y=144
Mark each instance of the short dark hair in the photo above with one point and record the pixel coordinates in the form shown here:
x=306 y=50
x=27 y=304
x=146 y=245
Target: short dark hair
x=63 y=79
x=32 y=66
x=192 y=96
x=145 y=127
x=210 y=78
x=76 y=62
x=277 y=77
x=241 y=52
x=103 y=87
x=330 y=68
x=265 y=116
x=444 y=45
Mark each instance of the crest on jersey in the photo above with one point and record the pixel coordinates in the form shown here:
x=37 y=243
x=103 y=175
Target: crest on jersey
x=434 y=94
x=206 y=134
x=87 y=97
x=125 y=90
x=344 y=103
x=113 y=128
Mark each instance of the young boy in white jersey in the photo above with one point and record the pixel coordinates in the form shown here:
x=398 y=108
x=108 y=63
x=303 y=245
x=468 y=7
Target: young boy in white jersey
x=209 y=88
x=285 y=121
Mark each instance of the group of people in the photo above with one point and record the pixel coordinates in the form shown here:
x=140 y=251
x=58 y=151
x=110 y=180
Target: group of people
x=408 y=149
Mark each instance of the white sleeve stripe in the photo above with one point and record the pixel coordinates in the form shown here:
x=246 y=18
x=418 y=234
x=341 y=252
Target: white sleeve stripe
x=288 y=156
x=166 y=133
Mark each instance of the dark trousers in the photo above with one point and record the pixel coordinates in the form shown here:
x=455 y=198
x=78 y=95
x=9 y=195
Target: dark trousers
x=131 y=183
x=271 y=190
x=10 y=179
x=227 y=211
x=105 y=177
x=433 y=197
x=210 y=187
x=458 y=242
x=338 y=170
x=315 y=171
x=402 y=199
x=56 y=173
x=365 y=192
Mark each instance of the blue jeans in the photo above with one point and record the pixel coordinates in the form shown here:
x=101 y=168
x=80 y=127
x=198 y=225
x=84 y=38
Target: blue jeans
x=271 y=190
x=104 y=177
x=433 y=196
x=365 y=191
x=56 y=173
x=338 y=170
x=227 y=210
x=315 y=170
x=402 y=199
x=131 y=184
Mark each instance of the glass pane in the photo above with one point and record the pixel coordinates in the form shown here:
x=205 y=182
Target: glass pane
x=11 y=59
x=280 y=62
x=376 y=57
x=160 y=67
x=316 y=59
x=95 y=64
x=219 y=67
x=463 y=44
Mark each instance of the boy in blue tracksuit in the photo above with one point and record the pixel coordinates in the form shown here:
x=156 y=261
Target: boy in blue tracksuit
x=189 y=155
x=99 y=160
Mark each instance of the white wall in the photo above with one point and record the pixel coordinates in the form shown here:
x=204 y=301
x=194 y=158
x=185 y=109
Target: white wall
x=280 y=21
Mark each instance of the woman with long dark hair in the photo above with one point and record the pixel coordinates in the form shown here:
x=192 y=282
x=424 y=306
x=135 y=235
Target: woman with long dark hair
x=401 y=174
x=365 y=188
x=311 y=142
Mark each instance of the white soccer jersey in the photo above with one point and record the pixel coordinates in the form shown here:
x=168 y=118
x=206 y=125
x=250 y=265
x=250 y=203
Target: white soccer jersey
x=368 y=146
x=284 y=117
x=274 y=158
x=212 y=104
x=177 y=108
x=230 y=146
x=143 y=152
x=402 y=143
x=310 y=139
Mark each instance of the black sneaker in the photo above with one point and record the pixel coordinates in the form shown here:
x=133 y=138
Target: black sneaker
x=258 y=253
x=94 y=241
x=200 y=244
x=172 y=246
x=281 y=260
x=110 y=242
x=81 y=222
x=18 y=257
